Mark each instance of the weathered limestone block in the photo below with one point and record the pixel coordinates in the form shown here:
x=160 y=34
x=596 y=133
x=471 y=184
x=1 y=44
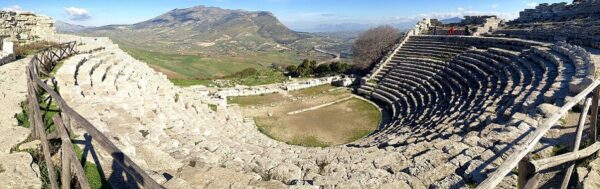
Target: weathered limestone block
x=286 y=173
x=11 y=136
x=590 y=178
x=17 y=170
x=25 y=27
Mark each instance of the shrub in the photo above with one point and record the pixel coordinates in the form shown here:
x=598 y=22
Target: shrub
x=373 y=44
x=322 y=69
x=22 y=51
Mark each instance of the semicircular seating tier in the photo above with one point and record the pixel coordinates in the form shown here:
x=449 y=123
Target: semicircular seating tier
x=439 y=86
x=447 y=96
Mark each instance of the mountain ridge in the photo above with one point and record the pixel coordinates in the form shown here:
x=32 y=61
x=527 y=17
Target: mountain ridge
x=205 y=29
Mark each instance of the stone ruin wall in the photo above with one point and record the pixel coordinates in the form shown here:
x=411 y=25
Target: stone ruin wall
x=22 y=28
x=292 y=86
x=561 y=11
x=25 y=27
x=478 y=25
x=577 y=23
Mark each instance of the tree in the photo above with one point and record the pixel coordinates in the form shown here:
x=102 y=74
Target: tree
x=322 y=69
x=292 y=70
x=373 y=44
x=312 y=65
x=335 y=67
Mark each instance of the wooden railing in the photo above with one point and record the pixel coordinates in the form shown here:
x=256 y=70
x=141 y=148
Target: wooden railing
x=42 y=64
x=529 y=171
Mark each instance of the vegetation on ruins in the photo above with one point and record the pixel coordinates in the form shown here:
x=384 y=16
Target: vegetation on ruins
x=310 y=68
x=373 y=44
x=49 y=109
x=23 y=50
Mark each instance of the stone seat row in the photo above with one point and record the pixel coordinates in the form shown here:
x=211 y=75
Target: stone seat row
x=475 y=88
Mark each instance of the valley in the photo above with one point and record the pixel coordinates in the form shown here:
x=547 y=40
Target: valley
x=199 y=44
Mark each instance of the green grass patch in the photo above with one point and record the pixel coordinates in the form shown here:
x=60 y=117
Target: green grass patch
x=181 y=66
x=313 y=90
x=262 y=77
x=308 y=141
x=358 y=134
x=191 y=82
x=560 y=149
x=92 y=173
x=263 y=99
x=213 y=107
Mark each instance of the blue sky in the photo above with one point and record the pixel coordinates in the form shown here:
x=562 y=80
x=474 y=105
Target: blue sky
x=296 y=14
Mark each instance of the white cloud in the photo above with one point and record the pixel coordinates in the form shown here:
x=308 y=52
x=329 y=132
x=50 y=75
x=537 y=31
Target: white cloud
x=469 y=12
x=495 y=6
x=77 y=14
x=14 y=8
x=531 y=5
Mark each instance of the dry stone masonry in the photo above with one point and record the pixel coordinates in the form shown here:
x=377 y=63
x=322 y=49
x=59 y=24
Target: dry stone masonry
x=577 y=23
x=25 y=27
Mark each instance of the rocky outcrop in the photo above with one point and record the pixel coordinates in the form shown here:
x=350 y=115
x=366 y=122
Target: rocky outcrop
x=560 y=11
x=25 y=27
x=17 y=169
x=589 y=177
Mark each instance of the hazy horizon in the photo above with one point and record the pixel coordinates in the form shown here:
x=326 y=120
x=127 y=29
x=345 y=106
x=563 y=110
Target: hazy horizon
x=299 y=15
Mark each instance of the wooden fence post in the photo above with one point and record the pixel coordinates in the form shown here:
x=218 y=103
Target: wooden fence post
x=37 y=122
x=68 y=152
x=65 y=173
x=525 y=172
x=582 y=116
x=594 y=118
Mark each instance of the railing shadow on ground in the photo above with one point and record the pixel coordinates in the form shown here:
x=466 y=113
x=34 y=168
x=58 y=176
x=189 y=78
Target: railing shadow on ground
x=124 y=169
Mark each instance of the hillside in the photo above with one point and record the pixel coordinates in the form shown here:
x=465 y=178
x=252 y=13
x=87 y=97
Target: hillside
x=207 y=31
x=63 y=27
x=207 y=42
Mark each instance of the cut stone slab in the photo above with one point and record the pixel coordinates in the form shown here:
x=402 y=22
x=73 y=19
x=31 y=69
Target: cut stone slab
x=11 y=136
x=17 y=170
x=33 y=145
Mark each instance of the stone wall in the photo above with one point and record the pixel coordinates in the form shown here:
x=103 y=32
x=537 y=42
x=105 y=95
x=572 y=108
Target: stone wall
x=275 y=88
x=560 y=11
x=25 y=27
x=477 y=25
x=7 y=52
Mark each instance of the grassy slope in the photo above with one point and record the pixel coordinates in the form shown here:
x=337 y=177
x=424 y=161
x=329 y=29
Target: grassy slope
x=187 y=67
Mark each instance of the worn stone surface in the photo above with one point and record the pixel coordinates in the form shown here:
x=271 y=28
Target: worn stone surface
x=17 y=170
x=25 y=27
x=590 y=178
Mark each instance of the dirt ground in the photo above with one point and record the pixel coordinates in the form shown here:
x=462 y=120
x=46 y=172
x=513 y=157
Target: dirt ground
x=335 y=124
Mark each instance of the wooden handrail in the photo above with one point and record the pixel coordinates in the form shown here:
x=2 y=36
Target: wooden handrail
x=70 y=157
x=37 y=125
x=48 y=60
x=119 y=157
x=578 y=135
x=543 y=164
x=522 y=150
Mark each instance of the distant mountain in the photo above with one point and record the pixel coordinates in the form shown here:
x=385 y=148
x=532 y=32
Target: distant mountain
x=451 y=20
x=354 y=27
x=63 y=27
x=341 y=27
x=205 y=30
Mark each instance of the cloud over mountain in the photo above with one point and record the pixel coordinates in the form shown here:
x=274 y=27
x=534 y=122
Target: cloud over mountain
x=77 y=14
